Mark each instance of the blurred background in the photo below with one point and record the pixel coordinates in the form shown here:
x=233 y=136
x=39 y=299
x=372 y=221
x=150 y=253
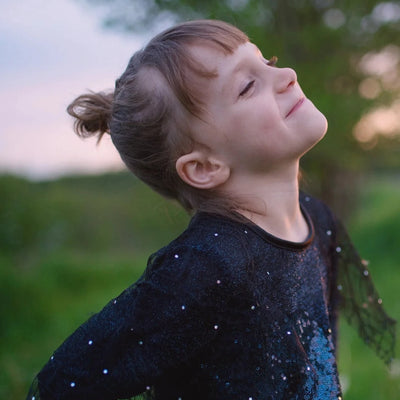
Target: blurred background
x=76 y=229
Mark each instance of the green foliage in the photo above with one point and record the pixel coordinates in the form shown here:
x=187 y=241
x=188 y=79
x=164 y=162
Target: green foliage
x=82 y=213
x=323 y=41
x=376 y=234
x=50 y=283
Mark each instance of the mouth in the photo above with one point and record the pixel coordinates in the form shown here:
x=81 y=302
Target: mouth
x=295 y=107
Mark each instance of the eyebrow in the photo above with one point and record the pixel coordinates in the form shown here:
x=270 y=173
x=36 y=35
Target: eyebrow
x=231 y=77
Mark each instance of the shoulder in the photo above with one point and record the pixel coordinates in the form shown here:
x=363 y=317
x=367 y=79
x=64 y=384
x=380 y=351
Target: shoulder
x=320 y=213
x=324 y=220
x=209 y=251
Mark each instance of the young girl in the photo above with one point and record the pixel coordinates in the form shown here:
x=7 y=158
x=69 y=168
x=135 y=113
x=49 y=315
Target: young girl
x=244 y=303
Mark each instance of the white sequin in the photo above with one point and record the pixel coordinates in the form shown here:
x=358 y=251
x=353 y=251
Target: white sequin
x=340 y=287
x=253 y=307
x=140 y=342
x=218 y=282
x=307 y=198
x=215 y=327
x=338 y=249
x=90 y=342
x=329 y=232
x=215 y=234
x=183 y=307
x=366 y=273
x=245 y=232
x=105 y=371
x=33 y=398
x=147 y=387
x=176 y=256
x=115 y=301
x=288 y=333
x=52 y=358
x=379 y=301
x=72 y=384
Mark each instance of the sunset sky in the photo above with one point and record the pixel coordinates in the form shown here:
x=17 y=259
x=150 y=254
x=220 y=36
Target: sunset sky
x=52 y=51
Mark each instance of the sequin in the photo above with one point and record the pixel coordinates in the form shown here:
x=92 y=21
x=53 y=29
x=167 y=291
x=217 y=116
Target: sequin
x=72 y=384
x=90 y=342
x=115 y=301
x=379 y=301
x=105 y=371
x=338 y=249
x=366 y=273
x=329 y=232
x=215 y=234
x=280 y=300
x=340 y=287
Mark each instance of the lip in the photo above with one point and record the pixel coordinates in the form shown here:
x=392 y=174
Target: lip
x=295 y=107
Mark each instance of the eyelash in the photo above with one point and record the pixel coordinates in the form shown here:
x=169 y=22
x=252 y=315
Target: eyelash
x=247 y=88
x=271 y=62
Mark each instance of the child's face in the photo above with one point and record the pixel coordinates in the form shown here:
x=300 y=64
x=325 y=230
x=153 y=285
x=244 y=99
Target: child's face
x=257 y=116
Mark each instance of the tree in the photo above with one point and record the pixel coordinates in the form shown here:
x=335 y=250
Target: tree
x=332 y=45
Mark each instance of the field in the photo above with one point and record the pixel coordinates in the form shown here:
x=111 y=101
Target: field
x=68 y=246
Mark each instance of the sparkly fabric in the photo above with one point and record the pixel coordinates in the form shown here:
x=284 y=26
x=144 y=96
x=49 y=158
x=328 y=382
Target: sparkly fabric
x=226 y=311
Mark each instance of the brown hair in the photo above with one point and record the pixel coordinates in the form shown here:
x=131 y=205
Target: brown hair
x=149 y=112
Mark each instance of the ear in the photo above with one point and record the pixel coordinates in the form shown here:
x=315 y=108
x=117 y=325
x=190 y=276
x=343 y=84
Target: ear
x=200 y=171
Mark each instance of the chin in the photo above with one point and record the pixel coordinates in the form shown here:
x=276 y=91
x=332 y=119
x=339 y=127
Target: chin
x=317 y=125
x=315 y=130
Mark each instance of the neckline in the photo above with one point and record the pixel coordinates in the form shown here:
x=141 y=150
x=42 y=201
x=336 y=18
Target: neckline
x=263 y=234
x=283 y=243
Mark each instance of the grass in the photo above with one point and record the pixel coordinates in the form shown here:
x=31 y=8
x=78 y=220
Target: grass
x=71 y=245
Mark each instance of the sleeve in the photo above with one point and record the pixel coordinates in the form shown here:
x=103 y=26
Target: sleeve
x=358 y=300
x=155 y=325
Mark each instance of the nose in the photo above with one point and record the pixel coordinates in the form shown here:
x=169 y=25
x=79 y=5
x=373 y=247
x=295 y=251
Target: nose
x=285 y=78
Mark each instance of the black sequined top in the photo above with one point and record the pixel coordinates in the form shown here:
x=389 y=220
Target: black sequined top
x=226 y=311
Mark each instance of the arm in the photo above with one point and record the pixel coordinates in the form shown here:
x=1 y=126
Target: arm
x=156 y=324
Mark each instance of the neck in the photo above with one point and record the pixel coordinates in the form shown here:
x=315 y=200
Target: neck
x=271 y=201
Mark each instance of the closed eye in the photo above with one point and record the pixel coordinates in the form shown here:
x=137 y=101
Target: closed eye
x=247 y=88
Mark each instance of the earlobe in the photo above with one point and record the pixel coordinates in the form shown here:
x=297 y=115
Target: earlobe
x=200 y=171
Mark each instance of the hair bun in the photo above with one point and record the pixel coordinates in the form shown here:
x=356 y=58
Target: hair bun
x=92 y=113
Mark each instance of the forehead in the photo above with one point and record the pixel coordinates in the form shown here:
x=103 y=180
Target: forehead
x=220 y=65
